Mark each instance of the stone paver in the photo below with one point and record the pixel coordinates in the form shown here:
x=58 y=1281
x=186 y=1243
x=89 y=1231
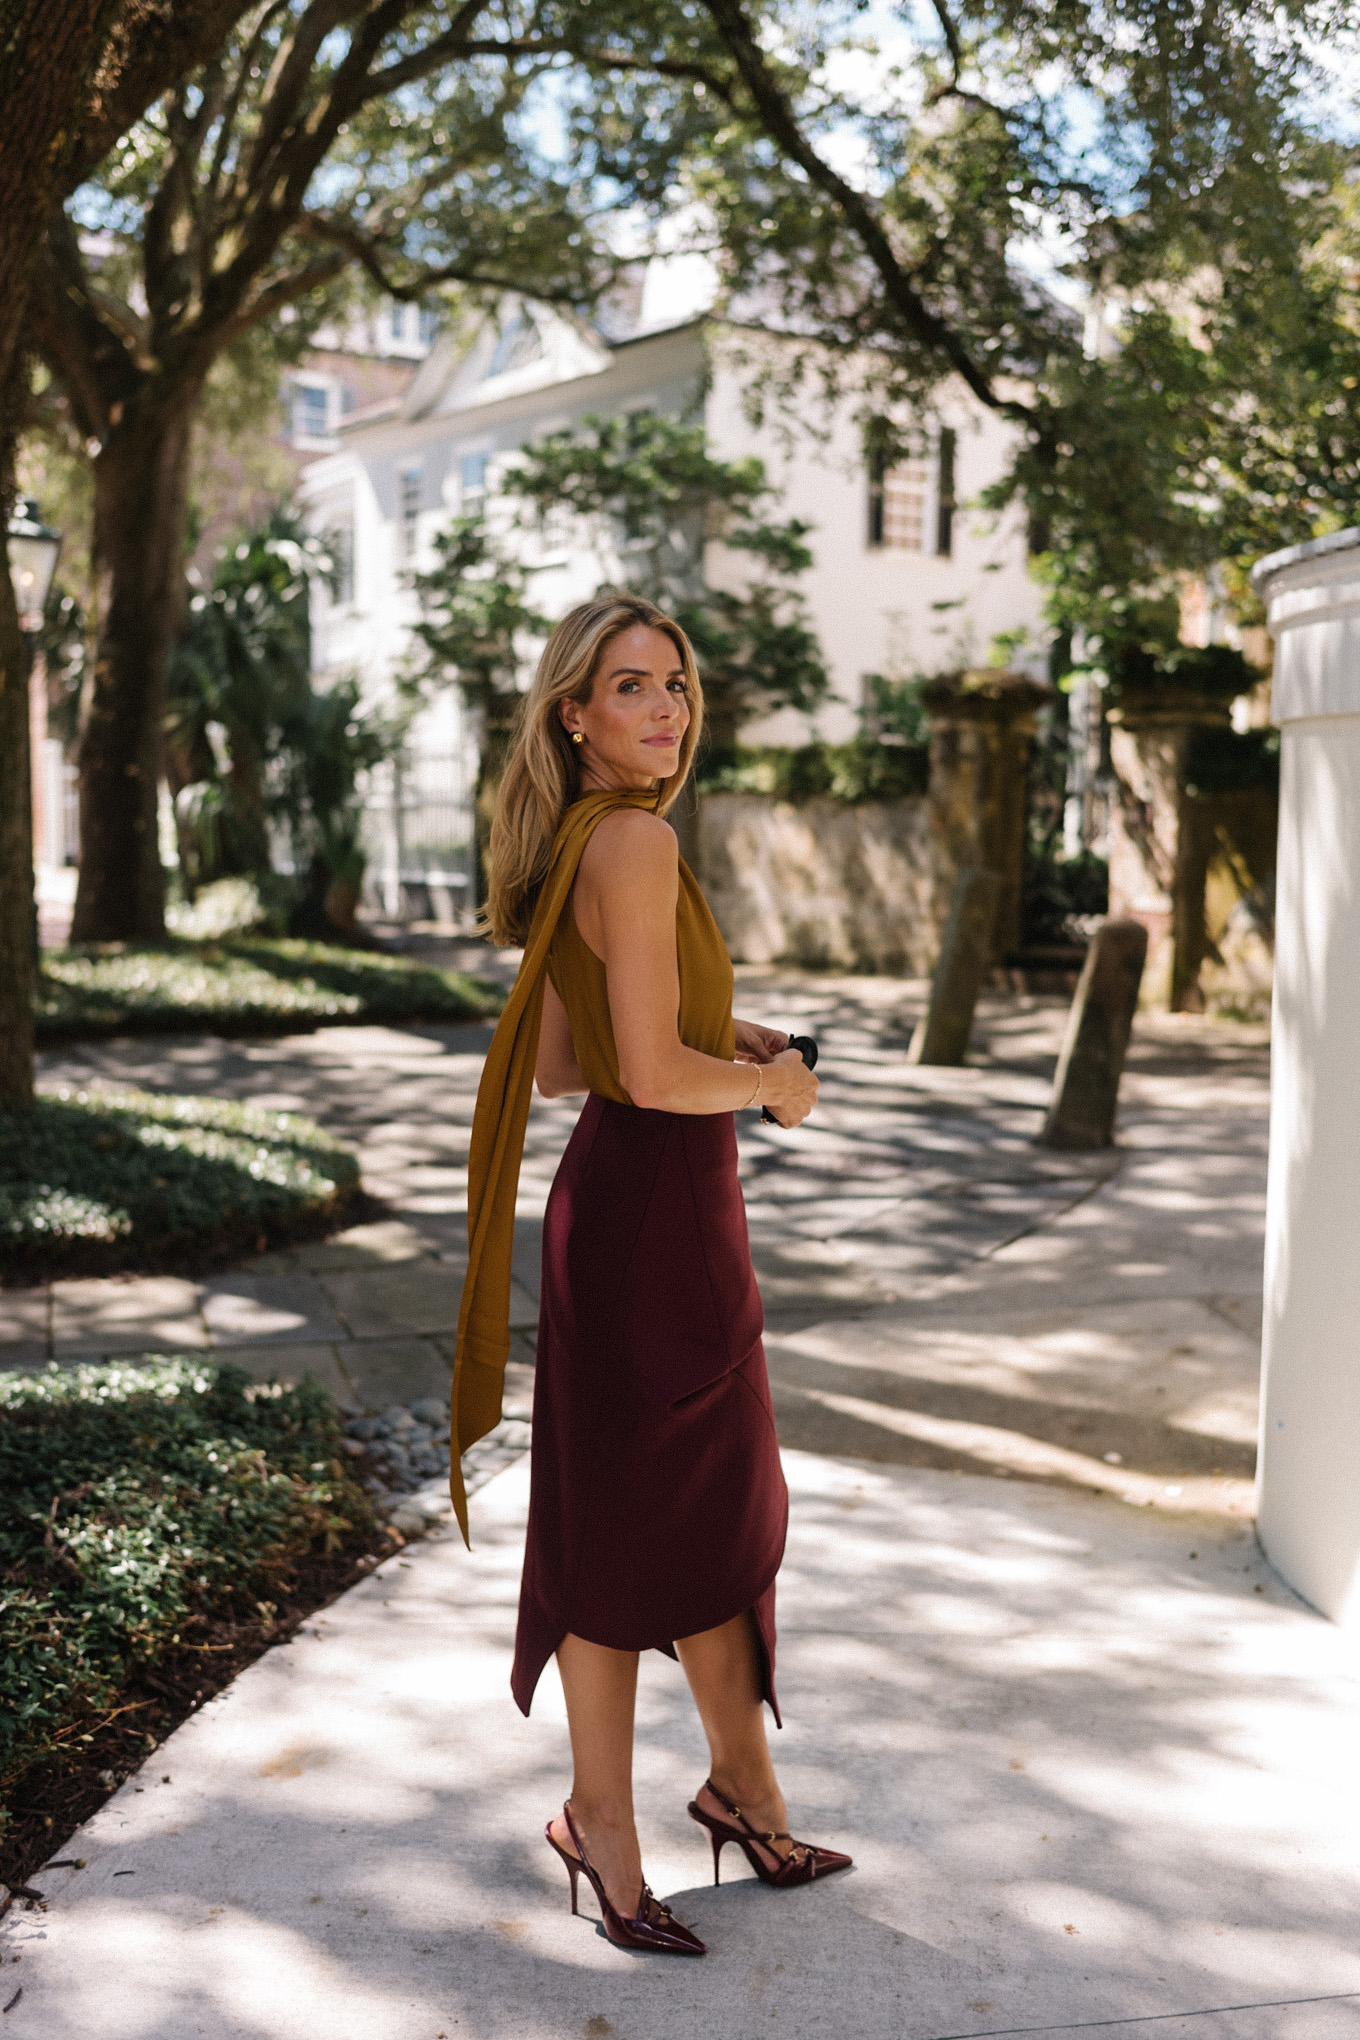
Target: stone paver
x=1096 y=1766
x=382 y=1371
x=293 y=1363
x=126 y=1314
x=418 y=1296
x=25 y=1321
x=257 y=1310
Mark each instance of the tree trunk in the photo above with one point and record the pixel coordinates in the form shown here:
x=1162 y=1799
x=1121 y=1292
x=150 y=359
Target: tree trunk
x=499 y=721
x=73 y=75
x=140 y=492
x=45 y=51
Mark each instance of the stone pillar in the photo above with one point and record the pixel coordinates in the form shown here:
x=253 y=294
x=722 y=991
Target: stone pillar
x=942 y=1033
x=1152 y=870
x=981 y=726
x=1086 y=1082
x=1309 y=1476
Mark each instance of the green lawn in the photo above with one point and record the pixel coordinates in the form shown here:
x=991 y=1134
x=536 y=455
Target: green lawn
x=138 y=1503
x=242 y=985
x=92 y=1181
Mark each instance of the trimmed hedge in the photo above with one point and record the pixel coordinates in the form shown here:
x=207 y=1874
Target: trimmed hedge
x=137 y=1501
x=100 y=1180
x=858 y=772
x=246 y=986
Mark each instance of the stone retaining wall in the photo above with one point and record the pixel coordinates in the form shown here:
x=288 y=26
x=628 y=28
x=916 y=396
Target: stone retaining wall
x=821 y=884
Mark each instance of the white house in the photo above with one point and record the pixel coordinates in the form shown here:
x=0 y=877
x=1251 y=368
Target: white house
x=907 y=576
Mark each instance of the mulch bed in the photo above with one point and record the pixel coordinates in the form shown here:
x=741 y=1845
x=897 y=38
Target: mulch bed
x=55 y=1797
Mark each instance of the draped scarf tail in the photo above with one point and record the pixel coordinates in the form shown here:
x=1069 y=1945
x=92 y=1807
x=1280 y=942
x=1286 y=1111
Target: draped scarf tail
x=496 y=1148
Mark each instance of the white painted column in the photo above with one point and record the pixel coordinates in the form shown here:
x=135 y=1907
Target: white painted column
x=1309 y=1480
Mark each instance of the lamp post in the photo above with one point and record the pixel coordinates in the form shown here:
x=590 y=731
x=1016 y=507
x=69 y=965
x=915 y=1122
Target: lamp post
x=33 y=550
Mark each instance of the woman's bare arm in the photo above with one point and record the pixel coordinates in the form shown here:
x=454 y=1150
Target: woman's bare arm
x=625 y=899
x=557 y=1072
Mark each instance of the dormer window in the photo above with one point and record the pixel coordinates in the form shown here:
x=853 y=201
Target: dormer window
x=520 y=342
x=311 y=411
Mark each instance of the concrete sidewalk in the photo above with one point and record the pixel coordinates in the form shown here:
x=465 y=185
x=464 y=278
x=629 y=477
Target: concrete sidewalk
x=1095 y=1765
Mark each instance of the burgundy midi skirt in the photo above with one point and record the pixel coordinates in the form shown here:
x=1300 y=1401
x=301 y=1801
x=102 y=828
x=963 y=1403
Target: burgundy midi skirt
x=658 y=1507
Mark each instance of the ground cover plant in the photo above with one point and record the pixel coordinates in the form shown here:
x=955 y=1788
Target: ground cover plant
x=93 y=1181
x=159 y=1522
x=246 y=986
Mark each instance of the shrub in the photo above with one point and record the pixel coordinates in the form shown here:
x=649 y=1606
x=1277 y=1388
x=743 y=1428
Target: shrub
x=1058 y=894
x=100 y=1180
x=242 y=987
x=137 y=1500
x=1223 y=761
x=860 y=771
x=1219 y=672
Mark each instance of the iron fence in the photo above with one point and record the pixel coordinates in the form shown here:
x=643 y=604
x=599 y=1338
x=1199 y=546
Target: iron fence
x=419 y=832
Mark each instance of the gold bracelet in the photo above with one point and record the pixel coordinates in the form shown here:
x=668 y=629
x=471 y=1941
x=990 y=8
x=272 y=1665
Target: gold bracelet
x=760 y=1078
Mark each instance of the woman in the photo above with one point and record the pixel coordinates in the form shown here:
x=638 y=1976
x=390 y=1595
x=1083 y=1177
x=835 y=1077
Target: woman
x=658 y=1508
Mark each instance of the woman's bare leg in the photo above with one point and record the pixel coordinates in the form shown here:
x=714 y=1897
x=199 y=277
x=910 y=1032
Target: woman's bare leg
x=723 y=1669
x=601 y=1688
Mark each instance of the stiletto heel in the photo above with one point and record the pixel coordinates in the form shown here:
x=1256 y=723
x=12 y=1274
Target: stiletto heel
x=653 y=1927
x=804 y=1862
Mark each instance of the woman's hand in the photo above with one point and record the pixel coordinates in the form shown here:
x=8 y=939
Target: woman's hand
x=788 y=1087
x=757 y=1044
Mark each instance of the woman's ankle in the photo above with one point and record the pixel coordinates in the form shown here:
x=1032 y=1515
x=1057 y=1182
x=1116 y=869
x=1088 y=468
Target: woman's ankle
x=737 y=1787
x=606 y=1813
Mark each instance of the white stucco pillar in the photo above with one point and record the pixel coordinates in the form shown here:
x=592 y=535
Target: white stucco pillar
x=1309 y=1480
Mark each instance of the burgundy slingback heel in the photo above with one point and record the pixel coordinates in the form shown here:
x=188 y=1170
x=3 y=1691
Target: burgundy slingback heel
x=804 y=1862
x=653 y=1927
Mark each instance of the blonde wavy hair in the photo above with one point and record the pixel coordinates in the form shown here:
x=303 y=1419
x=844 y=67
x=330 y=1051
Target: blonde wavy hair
x=543 y=772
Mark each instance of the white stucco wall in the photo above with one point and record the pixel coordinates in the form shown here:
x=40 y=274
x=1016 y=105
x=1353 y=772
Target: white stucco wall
x=1309 y=1511
x=878 y=609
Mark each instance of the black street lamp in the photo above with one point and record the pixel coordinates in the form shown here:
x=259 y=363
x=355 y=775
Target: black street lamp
x=33 y=549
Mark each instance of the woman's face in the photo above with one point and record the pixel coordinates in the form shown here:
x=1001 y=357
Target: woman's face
x=636 y=715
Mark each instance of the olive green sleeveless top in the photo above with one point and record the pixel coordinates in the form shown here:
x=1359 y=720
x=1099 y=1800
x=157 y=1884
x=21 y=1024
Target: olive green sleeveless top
x=705 y=1017
x=497 y=1143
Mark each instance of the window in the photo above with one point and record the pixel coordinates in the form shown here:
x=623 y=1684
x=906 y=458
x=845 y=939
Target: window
x=339 y=543
x=412 y=498
x=897 y=505
x=520 y=342
x=911 y=508
x=311 y=411
x=429 y=325
x=396 y=321
x=471 y=482
x=944 y=492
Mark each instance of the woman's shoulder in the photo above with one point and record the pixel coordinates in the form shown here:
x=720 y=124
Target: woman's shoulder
x=630 y=837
